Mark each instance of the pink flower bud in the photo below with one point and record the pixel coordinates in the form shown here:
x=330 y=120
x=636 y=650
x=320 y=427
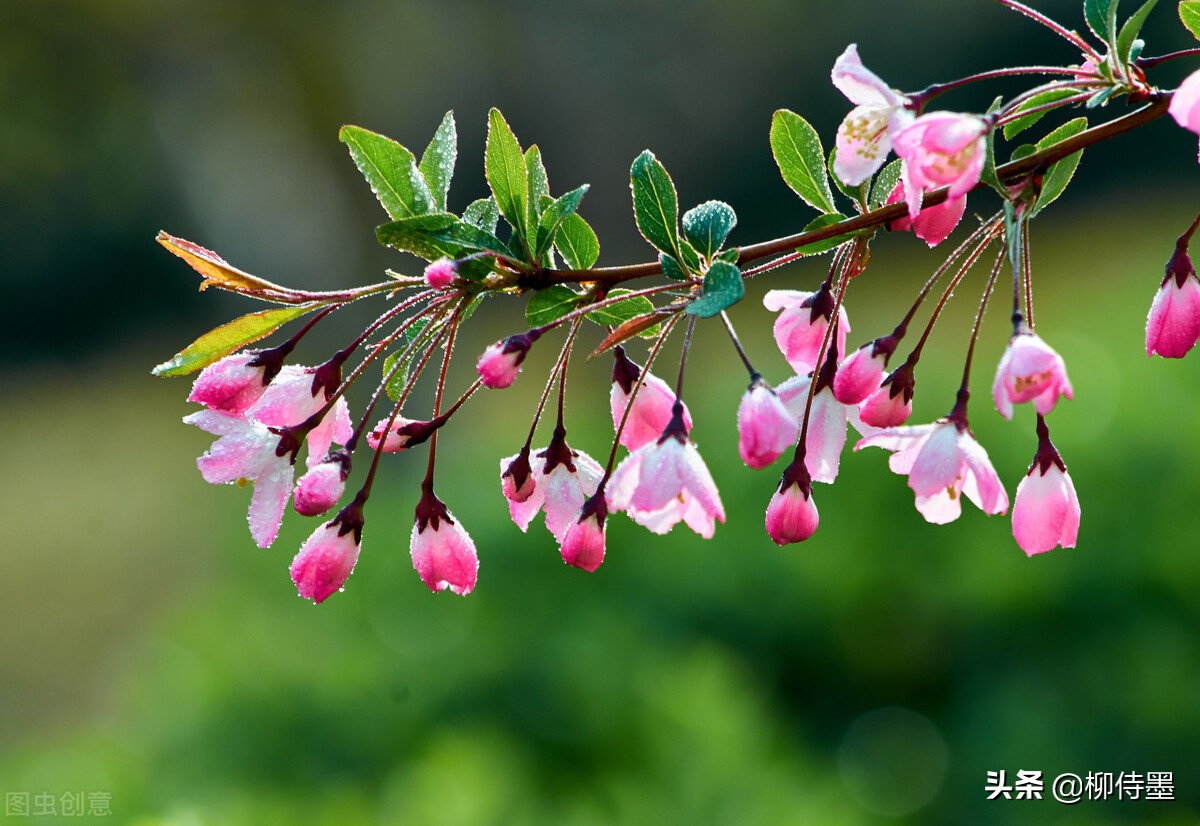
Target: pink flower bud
x=230 y=385
x=765 y=426
x=583 y=544
x=442 y=551
x=934 y=224
x=1173 y=325
x=1046 y=511
x=500 y=363
x=327 y=558
x=404 y=433
x=941 y=149
x=440 y=274
x=651 y=411
x=322 y=487
x=890 y=404
x=792 y=515
x=516 y=477
x=1029 y=370
x=1185 y=103
x=800 y=327
x=862 y=371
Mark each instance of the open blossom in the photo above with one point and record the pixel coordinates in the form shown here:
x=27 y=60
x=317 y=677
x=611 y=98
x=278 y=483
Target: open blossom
x=442 y=551
x=322 y=487
x=1046 y=509
x=246 y=451
x=940 y=149
x=1030 y=370
x=801 y=325
x=932 y=225
x=1185 y=103
x=1173 y=326
x=943 y=462
x=500 y=363
x=232 y=384
x=583 y=544
x=291 y=398
x=766 y=428
x=651 y=410
x=864 y=137
x=666 y=481
x=327 y=557
x=562 y=480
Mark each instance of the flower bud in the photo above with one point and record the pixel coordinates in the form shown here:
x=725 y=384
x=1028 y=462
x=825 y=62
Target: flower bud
x=765 y=426
x=441 y=273
x=862 y=371
x=583 y=545
x=890 y=404
x=500 y=363
x=327 y=558
x=322 y=487
x=1173 y=326
x=443 y=553
x=792 y=514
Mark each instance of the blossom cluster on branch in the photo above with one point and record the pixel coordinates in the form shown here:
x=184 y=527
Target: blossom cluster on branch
x=264 y=408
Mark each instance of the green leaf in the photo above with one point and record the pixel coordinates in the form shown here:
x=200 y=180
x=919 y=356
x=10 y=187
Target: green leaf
x=614 y=315
x=472 y=239
x=1101 y=17
x=885 y=182
x=437 y=163
x=416 y=235
x=1131 y=29
x=820 y=222
x=1022 y=151
x=988 y=174
x=551 y=304
x=689 y=257
x=507 y=175
x=1059 y=174
x=220 y=342
x=655 y=205
x=801 y=159
x=1189 y=15
x=723 y=287
x=553 y=217
x=537 y=182
x=577 y=243
x=397 y=380
x=391 y=170
x=708 y=225
x=1019 y=125
x=671 y=268
x=482 y=214
x=730 y=256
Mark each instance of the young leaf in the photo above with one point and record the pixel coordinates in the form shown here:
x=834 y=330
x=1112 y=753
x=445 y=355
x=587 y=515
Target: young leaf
x=730 y=256
x=655 y=205
x=553 y=217
x=988 y=174
x=707 y=226
x=1059 y=174
x=391 y=170
x=801 y=159
x=671 y=268
x=884 y=183
x=576 y=242
x=1189 y=15
x=723 y=287
x=1019 y=125
x=537 y=182
x=220 y=342
x=482 y=214
x=437 y=163
x=397 y=380
x=550 y=304
x=633 y=327
x=614 y=315
x=218 y=272
x=507 y=175
x=1101 y=17
x=1131 y=29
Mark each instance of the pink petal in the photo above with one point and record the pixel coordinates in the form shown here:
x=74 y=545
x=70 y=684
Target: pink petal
x=1173 y=326
x=939 y=464
x=826 y=437
x=324 y=562
x=1046 y=512
x=982 y=485
x=272 y=488
x=791 y=516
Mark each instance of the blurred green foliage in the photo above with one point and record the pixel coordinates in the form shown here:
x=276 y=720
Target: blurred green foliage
x=872 y=674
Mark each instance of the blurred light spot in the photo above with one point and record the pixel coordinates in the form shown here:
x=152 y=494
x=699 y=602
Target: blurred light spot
x=892 y=761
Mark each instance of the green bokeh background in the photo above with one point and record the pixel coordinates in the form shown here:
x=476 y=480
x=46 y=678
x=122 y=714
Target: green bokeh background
x=871 y=675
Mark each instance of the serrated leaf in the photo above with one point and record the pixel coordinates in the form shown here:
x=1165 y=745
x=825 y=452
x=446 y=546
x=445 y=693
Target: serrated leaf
x=416 y=235
x=631 y=328
x=217 y=272
x=1060 y=173
x=538 y=184
x=1189 y=15
x=655 y=205
x=730 y=256
x=228 y=338
x=820 y=222
x=614 y=315
x=507 y=175
x=391 y=170
x=1101 y=97
x=551 y=304
x=397 y=380
x=437 y=162
x=1022 y=151
x=801 y=159
x=723 y=287
x=1019 y=125
x=708 y=225
x=1101 y=17
x=482 y=214
x=884 y=183
x=671 y=268
x=988 y=174
x=553 y=217
x=577 y=243
x=1131 y=29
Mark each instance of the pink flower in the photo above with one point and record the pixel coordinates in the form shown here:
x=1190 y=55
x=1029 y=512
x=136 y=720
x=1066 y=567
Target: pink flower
x=934 y=224
x=792 y=515
x=562 y=480
x=442 y=551
x=663 y=482
x=1030 y=370
x=801 y=325
x=1046 y=510
x=890 y=404
x=232 y=384
x=861 y=373
x=942 y=461
x=765 y=426
x=291 y=398
x=322 y=487
x=1173 y=325
x=941 y=149
x=1185 y=103
x=404 y=433
x=516 y=477
x=864 y=137
x=500 y=363
x=826 y=426
x=440 y=274
x=583 y=544
x=651 y=410
x=327 y=558
x=246 y=450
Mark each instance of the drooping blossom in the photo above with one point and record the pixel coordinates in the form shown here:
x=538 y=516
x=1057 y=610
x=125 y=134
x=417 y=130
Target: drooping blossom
x=246 y=450
x=1173 y=326
x=766 y=428
x=792 y=514
x=864 y=136
x=1030 y=370
x=666 y=481
x=890 y=404
x=322 y=487
x=932 y=225
x=232 y=384
x=403 y=434
x=1046 y=510
x=940 y=149
x=442 y=550
x=516 y=476
x=801 y=325
x=563 y=479
x=327 y=557
x=827 y=420
x=1185 y=103
x=651 y=410
x=296 y=394
x=500 y=363
x=943 y=462
x=862 y=371
x=440 y=274
x=583 y=544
